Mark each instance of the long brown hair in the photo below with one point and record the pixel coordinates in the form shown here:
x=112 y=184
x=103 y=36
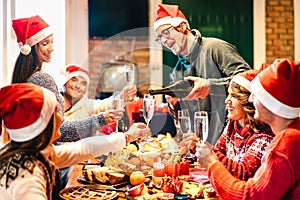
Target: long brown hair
x=242 y=95
x=34 y=145
x=26 y=65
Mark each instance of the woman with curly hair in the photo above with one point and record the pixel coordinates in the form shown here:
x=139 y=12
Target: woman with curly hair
x=244 y=139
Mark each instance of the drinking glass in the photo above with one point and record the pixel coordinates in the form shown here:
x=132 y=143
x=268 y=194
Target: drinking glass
x=129 y=72
x=117 y=104
x=184 y=121
x=201 y=125
x=148 y=107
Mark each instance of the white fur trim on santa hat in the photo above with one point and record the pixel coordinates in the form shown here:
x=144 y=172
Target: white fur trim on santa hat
x=242 y=81
x=77 y=73
x=272 y=103
x=29 y=132
x=174 y=21
x=39 y=36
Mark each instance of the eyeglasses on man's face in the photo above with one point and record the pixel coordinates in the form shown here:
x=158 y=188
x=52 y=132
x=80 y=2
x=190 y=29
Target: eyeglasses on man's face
x=164 y=34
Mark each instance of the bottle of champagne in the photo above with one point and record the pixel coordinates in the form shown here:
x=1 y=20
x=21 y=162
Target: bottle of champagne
x=178 y=89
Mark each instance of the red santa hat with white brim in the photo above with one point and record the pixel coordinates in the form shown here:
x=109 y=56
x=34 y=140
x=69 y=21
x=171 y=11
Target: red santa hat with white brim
x=26 y=110
x=30 y=31
x=74 y=70
x=276 y=88
x=244 y=78
x=169 y=14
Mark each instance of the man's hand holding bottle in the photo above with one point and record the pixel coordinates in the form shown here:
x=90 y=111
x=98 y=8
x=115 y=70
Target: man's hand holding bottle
x=200 y=89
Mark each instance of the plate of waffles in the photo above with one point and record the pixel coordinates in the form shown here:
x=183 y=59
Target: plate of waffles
x=87 y=192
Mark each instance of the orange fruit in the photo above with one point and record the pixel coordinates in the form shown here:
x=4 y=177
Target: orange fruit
x=131 y=148
x=137 y=178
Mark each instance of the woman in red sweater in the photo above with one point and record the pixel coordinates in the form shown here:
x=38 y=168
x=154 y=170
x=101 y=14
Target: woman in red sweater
x=278 y=104
x=244 y=140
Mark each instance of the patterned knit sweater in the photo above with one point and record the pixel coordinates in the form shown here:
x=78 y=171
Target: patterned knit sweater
x=240 y=149
x=27 y=178
x=70 y=130
x=277 y=178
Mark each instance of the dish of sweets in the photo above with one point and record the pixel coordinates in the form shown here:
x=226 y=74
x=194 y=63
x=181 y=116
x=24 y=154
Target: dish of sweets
x=87 y=192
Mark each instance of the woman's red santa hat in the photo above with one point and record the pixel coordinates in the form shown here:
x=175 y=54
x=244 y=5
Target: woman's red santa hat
x=244 y=78
x=26 y=110
x=169 y=14
x=30 y=31
x=276 y=87
x=74 y=70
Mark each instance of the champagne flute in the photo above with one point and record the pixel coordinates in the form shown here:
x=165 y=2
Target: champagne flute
x=201 y=125
x=184 y=121
x=117 y=104
x=201 y=128
x=129 y=72
x=148 y=107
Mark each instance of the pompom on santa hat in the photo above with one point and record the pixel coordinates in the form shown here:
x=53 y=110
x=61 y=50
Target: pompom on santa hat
x=276 y=87
x=30 y=31
x=169 y=14
x=26 y=110
x=74 y=70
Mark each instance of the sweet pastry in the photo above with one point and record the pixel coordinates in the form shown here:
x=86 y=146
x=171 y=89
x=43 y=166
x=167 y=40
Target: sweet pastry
x=154 y=146
x=103 y=174
x=82 y=192
x=99 y=174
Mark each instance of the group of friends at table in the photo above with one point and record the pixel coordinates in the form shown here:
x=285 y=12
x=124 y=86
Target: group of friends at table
x=254 y=133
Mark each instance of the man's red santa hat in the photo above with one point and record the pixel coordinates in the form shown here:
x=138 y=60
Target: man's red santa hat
x=26 y=110
x=74 y=70
x=169 y=14
x=276 y=87
x=30 y=31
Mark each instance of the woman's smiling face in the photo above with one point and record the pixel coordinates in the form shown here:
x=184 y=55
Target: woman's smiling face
x=234 y=107
x=45 y=48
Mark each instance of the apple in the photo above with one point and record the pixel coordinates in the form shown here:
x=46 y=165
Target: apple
x=136 y=190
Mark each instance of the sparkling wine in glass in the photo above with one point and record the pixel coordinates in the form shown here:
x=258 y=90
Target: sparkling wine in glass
x=201 y=125
x=117 y=104
x=129 y=72
x=148 y=107
x=184 y=121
